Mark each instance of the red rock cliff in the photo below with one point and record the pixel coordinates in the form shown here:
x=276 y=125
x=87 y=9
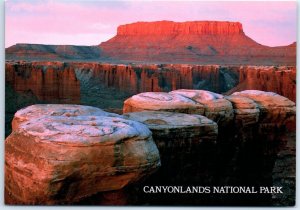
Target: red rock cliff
x=158 y=78
x=196 y=42
x=53 y=83
x=281 y=80
x=56 y=81
x=186 y=28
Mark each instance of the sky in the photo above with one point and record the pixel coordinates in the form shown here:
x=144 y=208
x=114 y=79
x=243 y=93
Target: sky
x=90 y=22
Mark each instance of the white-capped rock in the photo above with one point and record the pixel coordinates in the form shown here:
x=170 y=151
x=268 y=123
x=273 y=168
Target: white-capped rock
x=63 y=159
x=160 y=101
x=216 y=107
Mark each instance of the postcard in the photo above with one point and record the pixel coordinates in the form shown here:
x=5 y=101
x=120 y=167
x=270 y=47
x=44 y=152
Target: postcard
x=150 y=103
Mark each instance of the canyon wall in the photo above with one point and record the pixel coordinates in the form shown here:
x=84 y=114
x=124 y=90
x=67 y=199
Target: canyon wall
x=144 y=78
x=107 y=85
x=281 y=80
x=61 y=82
x=64 y=82
x=55 y=83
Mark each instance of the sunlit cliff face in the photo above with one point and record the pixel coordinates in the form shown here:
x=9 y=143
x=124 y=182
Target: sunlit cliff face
x=206 y=42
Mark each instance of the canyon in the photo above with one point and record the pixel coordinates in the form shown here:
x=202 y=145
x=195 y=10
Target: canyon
x=107 y=85
x=166 y=103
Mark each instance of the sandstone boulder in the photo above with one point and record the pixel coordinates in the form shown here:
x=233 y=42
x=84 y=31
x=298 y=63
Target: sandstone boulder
x=217 y=108
x=274 y=108
x=171 y=129
x=70 y=110
x=185 y=143
x=246 y=111
x=62 y=160
x=159 y=101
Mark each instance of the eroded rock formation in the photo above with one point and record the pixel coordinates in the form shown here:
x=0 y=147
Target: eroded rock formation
x=171 y=130
x=281 y=80
x=216 y=107
x=107 y=86
x=205 y=42
x=246 y=111
x=274 y=109
x=64 y=78
x=54 y=83
x=162 y=28
x=64 y=159
x=182 y=141
x=102 y=152
x=40 y=110
x=160 y=101
x=245 y=152
x=270 y=107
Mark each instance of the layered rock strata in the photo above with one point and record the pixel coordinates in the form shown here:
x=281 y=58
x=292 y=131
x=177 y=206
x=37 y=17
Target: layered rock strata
x=246 y=111
x=46 y=83
x=247 y=105
x=205 y=42
x=174 y=28
x=79 y=81
x=64 y=159
x=274 y=108
x=281 y=80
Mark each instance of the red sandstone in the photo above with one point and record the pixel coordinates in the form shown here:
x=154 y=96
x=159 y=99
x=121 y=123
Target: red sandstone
x=59 y=83
x=187 y=28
